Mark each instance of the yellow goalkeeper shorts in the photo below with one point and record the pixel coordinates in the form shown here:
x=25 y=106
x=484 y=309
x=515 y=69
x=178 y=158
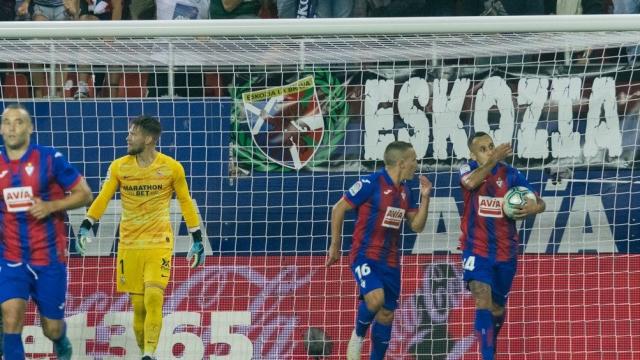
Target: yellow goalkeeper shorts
x=137 y=267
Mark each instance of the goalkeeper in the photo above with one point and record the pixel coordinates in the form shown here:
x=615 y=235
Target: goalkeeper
x=146 y=179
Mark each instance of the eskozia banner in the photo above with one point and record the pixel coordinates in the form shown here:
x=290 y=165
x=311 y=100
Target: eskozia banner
x=577 y=119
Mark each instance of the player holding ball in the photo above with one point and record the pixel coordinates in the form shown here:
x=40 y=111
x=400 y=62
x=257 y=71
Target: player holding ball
x=489 y=239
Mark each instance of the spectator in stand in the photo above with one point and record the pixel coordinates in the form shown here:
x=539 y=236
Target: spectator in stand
x=48 y=10
x=628 y=7
x=302 y=9
x=186 y=83
x=334 y=8
x=575 y=7
x=237 y=9
x=502 y=7
x=142 y=9
x=182 y=9
x=395 y=8
x=92 y=10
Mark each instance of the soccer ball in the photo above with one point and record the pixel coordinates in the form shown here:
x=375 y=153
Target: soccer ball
x=514 y=198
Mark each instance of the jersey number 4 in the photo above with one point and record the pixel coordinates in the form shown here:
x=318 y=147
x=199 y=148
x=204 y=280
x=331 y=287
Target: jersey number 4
x=469 y=263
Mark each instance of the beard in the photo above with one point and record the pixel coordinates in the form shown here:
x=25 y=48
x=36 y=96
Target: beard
x=135 y=150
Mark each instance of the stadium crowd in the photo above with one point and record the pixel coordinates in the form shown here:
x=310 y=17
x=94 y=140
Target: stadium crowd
x=81 y=81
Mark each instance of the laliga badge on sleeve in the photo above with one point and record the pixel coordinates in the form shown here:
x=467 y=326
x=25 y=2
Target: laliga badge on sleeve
x=18 y=199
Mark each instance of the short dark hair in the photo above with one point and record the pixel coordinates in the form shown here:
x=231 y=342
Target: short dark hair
x=476 y=135
x=148 y=124
x=394 y=151
x=17 y=106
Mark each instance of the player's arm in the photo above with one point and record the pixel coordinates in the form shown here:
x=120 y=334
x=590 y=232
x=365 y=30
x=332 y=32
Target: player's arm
x=79 y=195
x=97 y=208
x=196 y=252
x=417 y=219
x=476 y=177
x=337 y=220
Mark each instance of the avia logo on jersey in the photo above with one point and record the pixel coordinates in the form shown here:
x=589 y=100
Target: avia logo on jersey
x=489 y=206
x=18 y=199
x=393 y=217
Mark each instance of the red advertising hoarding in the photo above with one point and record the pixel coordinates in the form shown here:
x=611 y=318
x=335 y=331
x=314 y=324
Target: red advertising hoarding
x=260 y=307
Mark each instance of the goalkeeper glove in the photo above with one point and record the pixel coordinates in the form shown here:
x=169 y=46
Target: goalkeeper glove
x=196 y=256
x=84 y=236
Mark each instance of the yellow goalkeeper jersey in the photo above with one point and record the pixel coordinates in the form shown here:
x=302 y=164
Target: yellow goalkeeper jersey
x=146 y=194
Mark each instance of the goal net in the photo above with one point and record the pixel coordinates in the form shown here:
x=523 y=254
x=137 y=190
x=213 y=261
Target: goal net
x=273 y=121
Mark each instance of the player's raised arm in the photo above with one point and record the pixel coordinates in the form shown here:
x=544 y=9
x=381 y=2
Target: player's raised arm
x=492 y=155
x=418 y=219
x=337 y=220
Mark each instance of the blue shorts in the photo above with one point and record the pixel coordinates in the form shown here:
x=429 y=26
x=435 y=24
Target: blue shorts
x=497 y=274
x=46 y=285
x=371 y=274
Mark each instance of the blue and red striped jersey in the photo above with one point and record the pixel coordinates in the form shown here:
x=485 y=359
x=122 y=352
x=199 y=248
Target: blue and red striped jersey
x=485 y=230
x=381 y=207
x=44 y=173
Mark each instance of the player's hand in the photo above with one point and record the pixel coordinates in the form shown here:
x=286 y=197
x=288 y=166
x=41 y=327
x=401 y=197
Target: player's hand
x=333 y=255
x=40 y=209
x=529 y=208
x=196 y=255
x=425 y=186
x=501 y=152
x=84 y=236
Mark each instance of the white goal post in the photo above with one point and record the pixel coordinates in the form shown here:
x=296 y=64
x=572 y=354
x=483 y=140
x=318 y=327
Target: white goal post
x=302 y=109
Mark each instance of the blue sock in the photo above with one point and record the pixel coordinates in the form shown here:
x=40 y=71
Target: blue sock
x=484 y=333
x=12 y=347
x=497 y=325
x=363 y=319
x=380 y=337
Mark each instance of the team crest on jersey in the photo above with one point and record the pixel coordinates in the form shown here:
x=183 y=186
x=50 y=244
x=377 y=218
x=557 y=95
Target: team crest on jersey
x=489 y=206
x=286 y=122
x=499 y=182
x=28 y=169
x=18 y=199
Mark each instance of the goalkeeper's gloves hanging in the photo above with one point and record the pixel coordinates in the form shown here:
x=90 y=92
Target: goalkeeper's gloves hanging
x=84 y=236
x=196 y=256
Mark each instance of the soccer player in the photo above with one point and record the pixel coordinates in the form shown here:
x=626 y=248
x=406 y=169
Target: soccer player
x=383 y=200
x=489 y=240
x=147 y=180
x=37 y=185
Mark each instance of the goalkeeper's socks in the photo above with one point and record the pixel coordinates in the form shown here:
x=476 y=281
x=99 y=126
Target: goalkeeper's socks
x=12 y=347
x=153 y=299
x=363 y=320
x=380 y=337
x=484 y=333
